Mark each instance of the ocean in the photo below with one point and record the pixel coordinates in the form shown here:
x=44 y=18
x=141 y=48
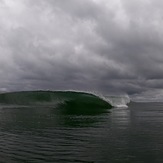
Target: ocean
x=77 y=127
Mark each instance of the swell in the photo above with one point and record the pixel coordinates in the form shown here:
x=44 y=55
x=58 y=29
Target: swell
x=66 y=99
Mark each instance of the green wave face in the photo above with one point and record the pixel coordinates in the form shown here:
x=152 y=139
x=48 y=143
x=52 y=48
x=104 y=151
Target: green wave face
x=69 y=101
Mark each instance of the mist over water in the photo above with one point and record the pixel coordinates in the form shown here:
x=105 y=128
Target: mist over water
x=118 y=101
x=67 y=133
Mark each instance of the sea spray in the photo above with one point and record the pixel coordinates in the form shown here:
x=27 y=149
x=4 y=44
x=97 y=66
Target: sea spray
x=118 y=101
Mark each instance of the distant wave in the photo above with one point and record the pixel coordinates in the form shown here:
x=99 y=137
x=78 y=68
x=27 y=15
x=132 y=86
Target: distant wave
x=68 y=99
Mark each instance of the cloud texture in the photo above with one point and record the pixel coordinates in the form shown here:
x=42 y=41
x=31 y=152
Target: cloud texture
x=97 y=45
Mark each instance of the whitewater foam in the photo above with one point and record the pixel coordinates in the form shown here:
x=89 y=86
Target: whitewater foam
x=118 y=101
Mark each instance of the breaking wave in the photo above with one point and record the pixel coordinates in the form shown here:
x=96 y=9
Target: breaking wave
x=57 y=98
x=64 y=99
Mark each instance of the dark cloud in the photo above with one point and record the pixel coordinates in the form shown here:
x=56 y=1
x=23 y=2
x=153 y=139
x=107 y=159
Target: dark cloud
x=96 y=45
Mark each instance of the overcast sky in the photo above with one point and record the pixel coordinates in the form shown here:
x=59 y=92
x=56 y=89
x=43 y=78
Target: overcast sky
x=111 y=46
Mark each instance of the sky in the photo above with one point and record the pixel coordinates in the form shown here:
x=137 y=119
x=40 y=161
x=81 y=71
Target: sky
x=108 y=46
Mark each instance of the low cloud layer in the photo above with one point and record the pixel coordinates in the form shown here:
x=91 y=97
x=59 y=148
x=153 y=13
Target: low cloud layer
x=97 y=45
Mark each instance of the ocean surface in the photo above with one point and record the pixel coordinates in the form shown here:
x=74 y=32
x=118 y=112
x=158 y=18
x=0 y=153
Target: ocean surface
x=77 y=131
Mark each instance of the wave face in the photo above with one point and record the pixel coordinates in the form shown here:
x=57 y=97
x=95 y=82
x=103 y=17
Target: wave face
x=69 y=100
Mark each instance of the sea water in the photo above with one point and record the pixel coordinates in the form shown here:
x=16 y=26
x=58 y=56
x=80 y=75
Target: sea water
x=47 y=134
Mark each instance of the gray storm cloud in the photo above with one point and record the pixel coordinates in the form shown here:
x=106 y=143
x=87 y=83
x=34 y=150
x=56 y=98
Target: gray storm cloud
x=98 y=45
